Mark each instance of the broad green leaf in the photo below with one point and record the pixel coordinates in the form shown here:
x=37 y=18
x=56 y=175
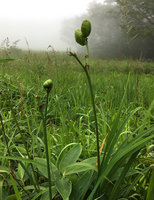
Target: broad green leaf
x=80 y=188
x=64 y=187
x=90 y=161
x=63 y=151
x=78 y=167
x=43 y=169
x=87 y=164
x=70 y=157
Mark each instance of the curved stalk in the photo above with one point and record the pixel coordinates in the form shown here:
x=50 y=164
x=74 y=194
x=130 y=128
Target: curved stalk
x=92 y=100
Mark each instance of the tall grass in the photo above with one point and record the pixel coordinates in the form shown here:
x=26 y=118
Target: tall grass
x=124 y=108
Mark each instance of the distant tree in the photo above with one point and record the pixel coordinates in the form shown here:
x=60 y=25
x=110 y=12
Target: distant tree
x=119 y=28
x=138 y=16
x=137 y=21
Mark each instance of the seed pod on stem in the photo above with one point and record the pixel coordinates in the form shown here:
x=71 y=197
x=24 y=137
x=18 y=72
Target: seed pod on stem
x=86 y=28
x=48 y=85
x=80 y=39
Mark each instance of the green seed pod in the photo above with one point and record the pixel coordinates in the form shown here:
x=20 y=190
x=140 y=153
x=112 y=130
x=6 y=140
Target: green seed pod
x=79 y=37
x=86 y=28
x=48 y=85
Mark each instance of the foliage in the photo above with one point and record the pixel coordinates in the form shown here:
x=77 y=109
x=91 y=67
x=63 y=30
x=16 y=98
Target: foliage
x=124 y=106
x=138 y=22
x=140 y=15
x=117 y=26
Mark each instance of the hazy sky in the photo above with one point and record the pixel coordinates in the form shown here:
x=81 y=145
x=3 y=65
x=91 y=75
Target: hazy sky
x=38 y=21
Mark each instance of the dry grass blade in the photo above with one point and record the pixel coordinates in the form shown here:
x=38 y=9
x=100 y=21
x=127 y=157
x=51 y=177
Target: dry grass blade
x=100 y=150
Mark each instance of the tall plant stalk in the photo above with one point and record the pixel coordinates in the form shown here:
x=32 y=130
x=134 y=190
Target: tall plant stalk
x=47 y=86
x=81 y=37
x=85 y=68
x=46 y=146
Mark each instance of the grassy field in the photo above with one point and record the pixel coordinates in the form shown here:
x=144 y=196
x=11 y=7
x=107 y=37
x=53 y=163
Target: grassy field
x=124 y=100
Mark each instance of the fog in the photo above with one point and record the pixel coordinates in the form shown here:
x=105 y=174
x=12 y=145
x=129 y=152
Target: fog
x=39 y=33
x=39 y=22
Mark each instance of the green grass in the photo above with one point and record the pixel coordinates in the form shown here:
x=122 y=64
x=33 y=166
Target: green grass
x=71 y=130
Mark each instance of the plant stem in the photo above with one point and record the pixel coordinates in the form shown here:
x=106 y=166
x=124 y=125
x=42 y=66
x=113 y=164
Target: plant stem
x=87 y=56
x=87 y=48
x=95 y=117
x=93 y=102
x=46 y=145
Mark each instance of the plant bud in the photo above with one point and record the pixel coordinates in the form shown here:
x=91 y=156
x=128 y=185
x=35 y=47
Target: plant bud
x=86 y=28
x=48 y=85
x=79 y=37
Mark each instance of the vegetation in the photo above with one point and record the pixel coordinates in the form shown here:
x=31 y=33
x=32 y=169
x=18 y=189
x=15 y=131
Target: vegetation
x=138 y=14
x=121 y=28
x=60 y=140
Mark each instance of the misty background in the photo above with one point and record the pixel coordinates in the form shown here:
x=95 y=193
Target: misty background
x=38 y=21
x=39 y=33
x=120 y=28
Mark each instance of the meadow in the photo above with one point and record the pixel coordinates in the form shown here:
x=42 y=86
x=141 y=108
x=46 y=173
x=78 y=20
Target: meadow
x=124 y=100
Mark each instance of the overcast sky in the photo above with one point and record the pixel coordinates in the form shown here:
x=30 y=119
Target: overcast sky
x=38 y=21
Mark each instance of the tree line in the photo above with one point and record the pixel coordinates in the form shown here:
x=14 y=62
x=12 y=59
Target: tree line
x=120 y=28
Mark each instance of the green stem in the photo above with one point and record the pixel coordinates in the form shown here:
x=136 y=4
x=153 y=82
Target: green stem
x=87 y=48
x=95 y=117
x=46 y=145
x=93 y=104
